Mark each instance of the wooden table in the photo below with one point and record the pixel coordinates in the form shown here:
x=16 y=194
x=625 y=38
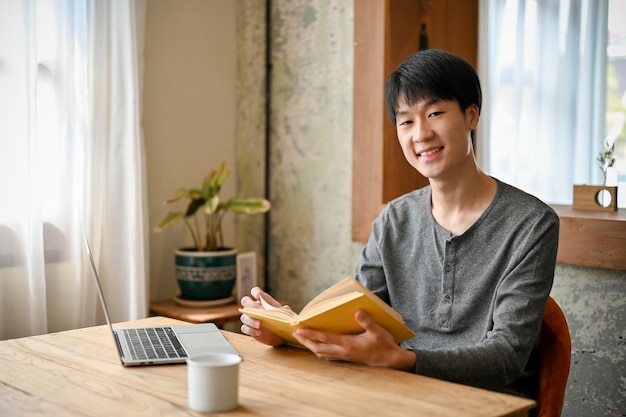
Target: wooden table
x=219 y=315
x=78 y=373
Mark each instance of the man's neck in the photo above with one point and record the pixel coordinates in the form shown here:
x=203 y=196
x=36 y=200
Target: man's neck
x=458 y=203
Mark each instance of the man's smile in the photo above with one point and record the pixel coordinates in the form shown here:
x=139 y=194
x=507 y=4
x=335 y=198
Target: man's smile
x=430 y=151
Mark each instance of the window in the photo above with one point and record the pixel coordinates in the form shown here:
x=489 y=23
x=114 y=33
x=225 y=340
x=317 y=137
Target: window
x=553 y=94
x=616 y=95
x=71 y=161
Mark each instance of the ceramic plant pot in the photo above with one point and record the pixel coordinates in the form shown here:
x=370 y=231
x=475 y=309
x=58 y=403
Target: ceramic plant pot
x=206 y=275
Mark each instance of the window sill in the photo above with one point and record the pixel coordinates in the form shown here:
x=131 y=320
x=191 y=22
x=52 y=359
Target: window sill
x=592 y=238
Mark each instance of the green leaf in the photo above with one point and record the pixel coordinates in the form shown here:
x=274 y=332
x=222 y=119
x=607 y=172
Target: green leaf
x=212 y=183
x=181 y=193
x=194 y=206
x=252 y=205
x=220 y=175
x=211 y=205
x=195 y=194
x=171 y=218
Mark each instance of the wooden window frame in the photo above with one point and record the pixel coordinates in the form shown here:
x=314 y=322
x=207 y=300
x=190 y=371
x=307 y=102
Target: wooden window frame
x=385 y=33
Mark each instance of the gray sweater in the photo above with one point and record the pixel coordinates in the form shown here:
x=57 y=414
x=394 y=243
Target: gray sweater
x=476 y=300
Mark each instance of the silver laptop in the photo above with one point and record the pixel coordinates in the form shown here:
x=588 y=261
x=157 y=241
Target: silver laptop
x=161 y=345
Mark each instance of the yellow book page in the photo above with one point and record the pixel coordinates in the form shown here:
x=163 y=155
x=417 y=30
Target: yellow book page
x=346 y=285
x=327 y=304
x=284 y=314
x=337 y=294
x=276 y=323
x=343 y=287
x=288 y=315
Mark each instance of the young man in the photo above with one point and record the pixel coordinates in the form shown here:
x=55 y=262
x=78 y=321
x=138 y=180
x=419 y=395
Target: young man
x=468 y=260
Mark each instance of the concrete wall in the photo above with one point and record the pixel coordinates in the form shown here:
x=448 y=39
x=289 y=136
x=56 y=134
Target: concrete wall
x=310 y=163
x=594 y=303
x=311 y=147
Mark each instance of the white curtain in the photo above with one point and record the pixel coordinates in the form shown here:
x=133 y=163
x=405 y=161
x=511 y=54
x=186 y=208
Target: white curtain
x=543 y=68
x=71 y=163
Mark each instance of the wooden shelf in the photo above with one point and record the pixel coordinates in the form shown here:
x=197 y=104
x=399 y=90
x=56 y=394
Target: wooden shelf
x=594 y=239
x=218 y=314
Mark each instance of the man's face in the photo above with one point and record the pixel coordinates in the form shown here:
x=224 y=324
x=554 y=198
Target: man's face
x=435 y=136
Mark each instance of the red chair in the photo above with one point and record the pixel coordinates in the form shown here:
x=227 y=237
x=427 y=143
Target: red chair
x=555 y=352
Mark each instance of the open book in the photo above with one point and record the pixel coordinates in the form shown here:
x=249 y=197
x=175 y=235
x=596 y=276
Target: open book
x=333 y=311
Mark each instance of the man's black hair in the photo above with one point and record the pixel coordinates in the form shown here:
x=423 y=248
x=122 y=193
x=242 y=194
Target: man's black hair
x=433 y=74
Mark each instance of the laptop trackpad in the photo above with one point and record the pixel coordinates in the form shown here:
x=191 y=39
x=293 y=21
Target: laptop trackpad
x=197 y=343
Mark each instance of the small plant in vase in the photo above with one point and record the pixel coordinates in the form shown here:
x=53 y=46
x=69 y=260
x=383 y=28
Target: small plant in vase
x=605 y=159
x=207 y=271
x=598 y=198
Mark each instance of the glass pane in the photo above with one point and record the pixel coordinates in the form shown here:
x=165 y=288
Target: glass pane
x=616 y=96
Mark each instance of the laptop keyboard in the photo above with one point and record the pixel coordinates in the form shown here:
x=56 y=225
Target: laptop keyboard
x=153 y=343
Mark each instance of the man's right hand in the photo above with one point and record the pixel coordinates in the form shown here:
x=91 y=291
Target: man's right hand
x=253 y=327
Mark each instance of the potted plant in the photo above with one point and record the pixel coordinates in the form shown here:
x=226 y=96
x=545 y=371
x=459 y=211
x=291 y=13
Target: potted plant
x=208 y=270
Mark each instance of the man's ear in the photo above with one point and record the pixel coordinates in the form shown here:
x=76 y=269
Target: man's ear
x=472 y=116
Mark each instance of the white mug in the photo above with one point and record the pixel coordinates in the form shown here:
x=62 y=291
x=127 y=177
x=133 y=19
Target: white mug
x=213 y=382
